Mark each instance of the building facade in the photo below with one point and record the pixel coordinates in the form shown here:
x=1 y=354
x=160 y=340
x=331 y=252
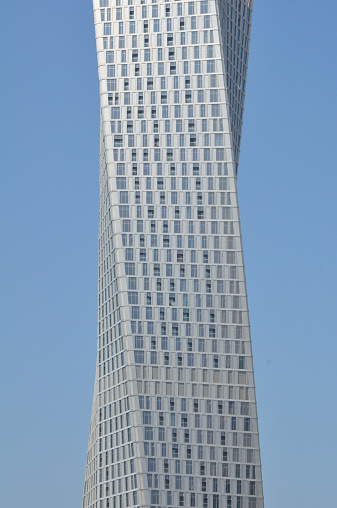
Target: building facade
x=174 y=419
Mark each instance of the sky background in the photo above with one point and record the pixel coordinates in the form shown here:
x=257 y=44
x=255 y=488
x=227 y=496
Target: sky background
x=49 y=228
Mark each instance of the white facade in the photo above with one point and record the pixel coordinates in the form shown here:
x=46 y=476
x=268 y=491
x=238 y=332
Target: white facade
x=174 y=418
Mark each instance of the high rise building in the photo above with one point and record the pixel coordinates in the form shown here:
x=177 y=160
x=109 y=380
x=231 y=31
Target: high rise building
x=174 y=419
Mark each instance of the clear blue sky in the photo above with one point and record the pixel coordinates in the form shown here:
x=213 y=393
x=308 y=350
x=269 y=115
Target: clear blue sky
x=48 y=223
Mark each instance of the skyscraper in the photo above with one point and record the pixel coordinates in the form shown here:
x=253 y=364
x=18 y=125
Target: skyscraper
x=174 y=418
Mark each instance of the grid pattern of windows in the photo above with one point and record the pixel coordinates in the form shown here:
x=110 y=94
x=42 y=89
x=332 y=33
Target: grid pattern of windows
x=235 y=22
x=174 y=418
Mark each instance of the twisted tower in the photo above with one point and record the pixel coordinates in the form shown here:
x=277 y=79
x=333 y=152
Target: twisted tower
x=174 y=418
